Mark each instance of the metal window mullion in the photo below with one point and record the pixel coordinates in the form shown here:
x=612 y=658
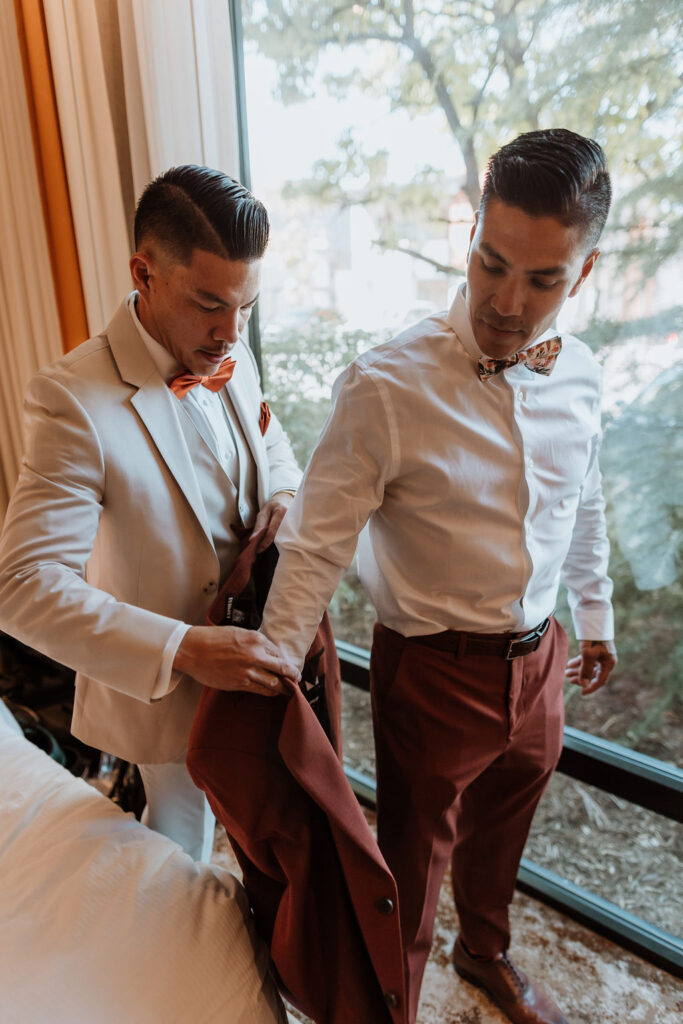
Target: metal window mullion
x=237 y=37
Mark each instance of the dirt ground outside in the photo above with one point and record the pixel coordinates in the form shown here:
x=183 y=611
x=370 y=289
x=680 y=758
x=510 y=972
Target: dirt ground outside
x=604 y=844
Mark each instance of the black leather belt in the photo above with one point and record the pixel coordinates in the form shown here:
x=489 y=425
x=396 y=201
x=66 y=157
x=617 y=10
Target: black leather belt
x=496 y=645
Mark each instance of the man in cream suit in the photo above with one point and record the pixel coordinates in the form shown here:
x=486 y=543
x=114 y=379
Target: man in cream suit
x=133 y=496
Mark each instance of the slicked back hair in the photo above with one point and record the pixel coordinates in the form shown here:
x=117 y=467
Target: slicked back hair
x=190 y=207
x=553 y=173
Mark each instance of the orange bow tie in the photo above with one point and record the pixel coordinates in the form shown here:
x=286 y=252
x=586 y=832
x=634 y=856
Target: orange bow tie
x=183 y=382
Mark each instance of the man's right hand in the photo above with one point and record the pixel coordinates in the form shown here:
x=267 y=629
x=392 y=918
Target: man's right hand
x=229 y=658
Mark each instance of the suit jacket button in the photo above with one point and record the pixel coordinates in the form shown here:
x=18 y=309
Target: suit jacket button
x=392 y=999
x=385 y=906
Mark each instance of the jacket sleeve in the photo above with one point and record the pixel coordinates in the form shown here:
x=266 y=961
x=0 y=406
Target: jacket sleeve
x=48 y=537
x=343 y=484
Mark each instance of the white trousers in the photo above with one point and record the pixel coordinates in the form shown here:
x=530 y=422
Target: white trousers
x=177 y=809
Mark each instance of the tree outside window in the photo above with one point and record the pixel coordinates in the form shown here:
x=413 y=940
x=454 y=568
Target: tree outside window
x=370 y=125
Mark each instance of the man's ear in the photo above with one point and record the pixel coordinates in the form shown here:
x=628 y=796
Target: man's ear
x=472 y=230
x=140 y=271
x=585 y=270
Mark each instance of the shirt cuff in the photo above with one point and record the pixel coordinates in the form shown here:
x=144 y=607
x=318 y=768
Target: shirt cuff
x=167 y=679
x=594 y=624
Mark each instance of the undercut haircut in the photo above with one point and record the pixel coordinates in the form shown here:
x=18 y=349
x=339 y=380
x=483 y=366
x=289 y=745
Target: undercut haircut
x=190 y=207
x=553 y=173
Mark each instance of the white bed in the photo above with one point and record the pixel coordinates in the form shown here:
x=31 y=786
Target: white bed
x=104 y=922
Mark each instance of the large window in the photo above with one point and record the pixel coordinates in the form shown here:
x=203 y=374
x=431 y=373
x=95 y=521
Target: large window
x=369 y=127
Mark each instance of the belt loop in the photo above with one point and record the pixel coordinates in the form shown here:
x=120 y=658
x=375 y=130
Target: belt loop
x=462 y=645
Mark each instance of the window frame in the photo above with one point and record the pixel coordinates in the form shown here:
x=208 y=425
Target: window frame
x=645 y=781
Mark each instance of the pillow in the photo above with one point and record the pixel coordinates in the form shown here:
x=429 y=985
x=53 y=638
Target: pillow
x=103 y=921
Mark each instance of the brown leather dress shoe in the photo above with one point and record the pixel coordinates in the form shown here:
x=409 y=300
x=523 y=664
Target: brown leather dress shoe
x=508 y=987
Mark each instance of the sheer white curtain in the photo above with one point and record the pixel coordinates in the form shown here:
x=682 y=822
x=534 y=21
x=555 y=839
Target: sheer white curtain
x=30 y=333
x=90 y=154
x=185 y=85
x=140 y=85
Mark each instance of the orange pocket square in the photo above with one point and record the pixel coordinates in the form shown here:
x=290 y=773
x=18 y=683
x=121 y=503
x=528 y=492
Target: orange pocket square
x=264 y=417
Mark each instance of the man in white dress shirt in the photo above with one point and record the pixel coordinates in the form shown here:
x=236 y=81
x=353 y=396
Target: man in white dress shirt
x=465 y=450
x=150 y=454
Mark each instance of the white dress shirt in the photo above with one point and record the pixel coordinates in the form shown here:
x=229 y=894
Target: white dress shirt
x=218 y=448
x=478 y=496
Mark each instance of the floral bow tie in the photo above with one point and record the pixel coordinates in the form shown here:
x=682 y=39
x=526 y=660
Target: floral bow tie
x=183 y=382
x=539 y=358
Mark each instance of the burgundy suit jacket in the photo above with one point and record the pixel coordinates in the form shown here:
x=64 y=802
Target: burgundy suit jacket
x=322 y=895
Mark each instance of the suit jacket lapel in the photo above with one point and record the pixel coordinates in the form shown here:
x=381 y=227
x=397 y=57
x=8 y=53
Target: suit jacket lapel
x=248 y=418
x=154 y=404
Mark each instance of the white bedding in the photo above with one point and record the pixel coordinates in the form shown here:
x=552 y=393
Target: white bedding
x=104 y=922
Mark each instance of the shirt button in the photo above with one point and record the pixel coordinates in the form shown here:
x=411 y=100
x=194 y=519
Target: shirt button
x=529 y=463
x=392 y=999
x=385 y=906
x=520 y=396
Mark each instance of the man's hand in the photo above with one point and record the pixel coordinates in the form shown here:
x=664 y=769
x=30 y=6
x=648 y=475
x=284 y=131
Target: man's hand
x=591 y=668
x=270 y=517
x=229 y=658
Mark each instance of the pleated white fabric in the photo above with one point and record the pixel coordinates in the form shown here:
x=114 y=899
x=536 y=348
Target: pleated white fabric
x=30 y=334
x=140 y=87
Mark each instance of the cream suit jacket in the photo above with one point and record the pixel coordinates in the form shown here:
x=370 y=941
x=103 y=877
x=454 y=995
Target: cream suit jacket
x=106 y=544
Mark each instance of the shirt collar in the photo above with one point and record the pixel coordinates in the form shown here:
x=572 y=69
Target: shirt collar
x=165 y=363
x=459 y=319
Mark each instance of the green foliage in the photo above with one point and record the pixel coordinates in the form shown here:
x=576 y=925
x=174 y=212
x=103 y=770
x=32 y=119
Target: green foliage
x=493 y=68
x=608 y=332
x=642 y=458
x=300 y=368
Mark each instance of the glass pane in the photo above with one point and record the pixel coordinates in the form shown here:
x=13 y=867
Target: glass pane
x=359 y=748
x=632 y=857
x=369 y=130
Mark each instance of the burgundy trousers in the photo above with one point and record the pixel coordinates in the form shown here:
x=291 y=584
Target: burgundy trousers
x=465 y=744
